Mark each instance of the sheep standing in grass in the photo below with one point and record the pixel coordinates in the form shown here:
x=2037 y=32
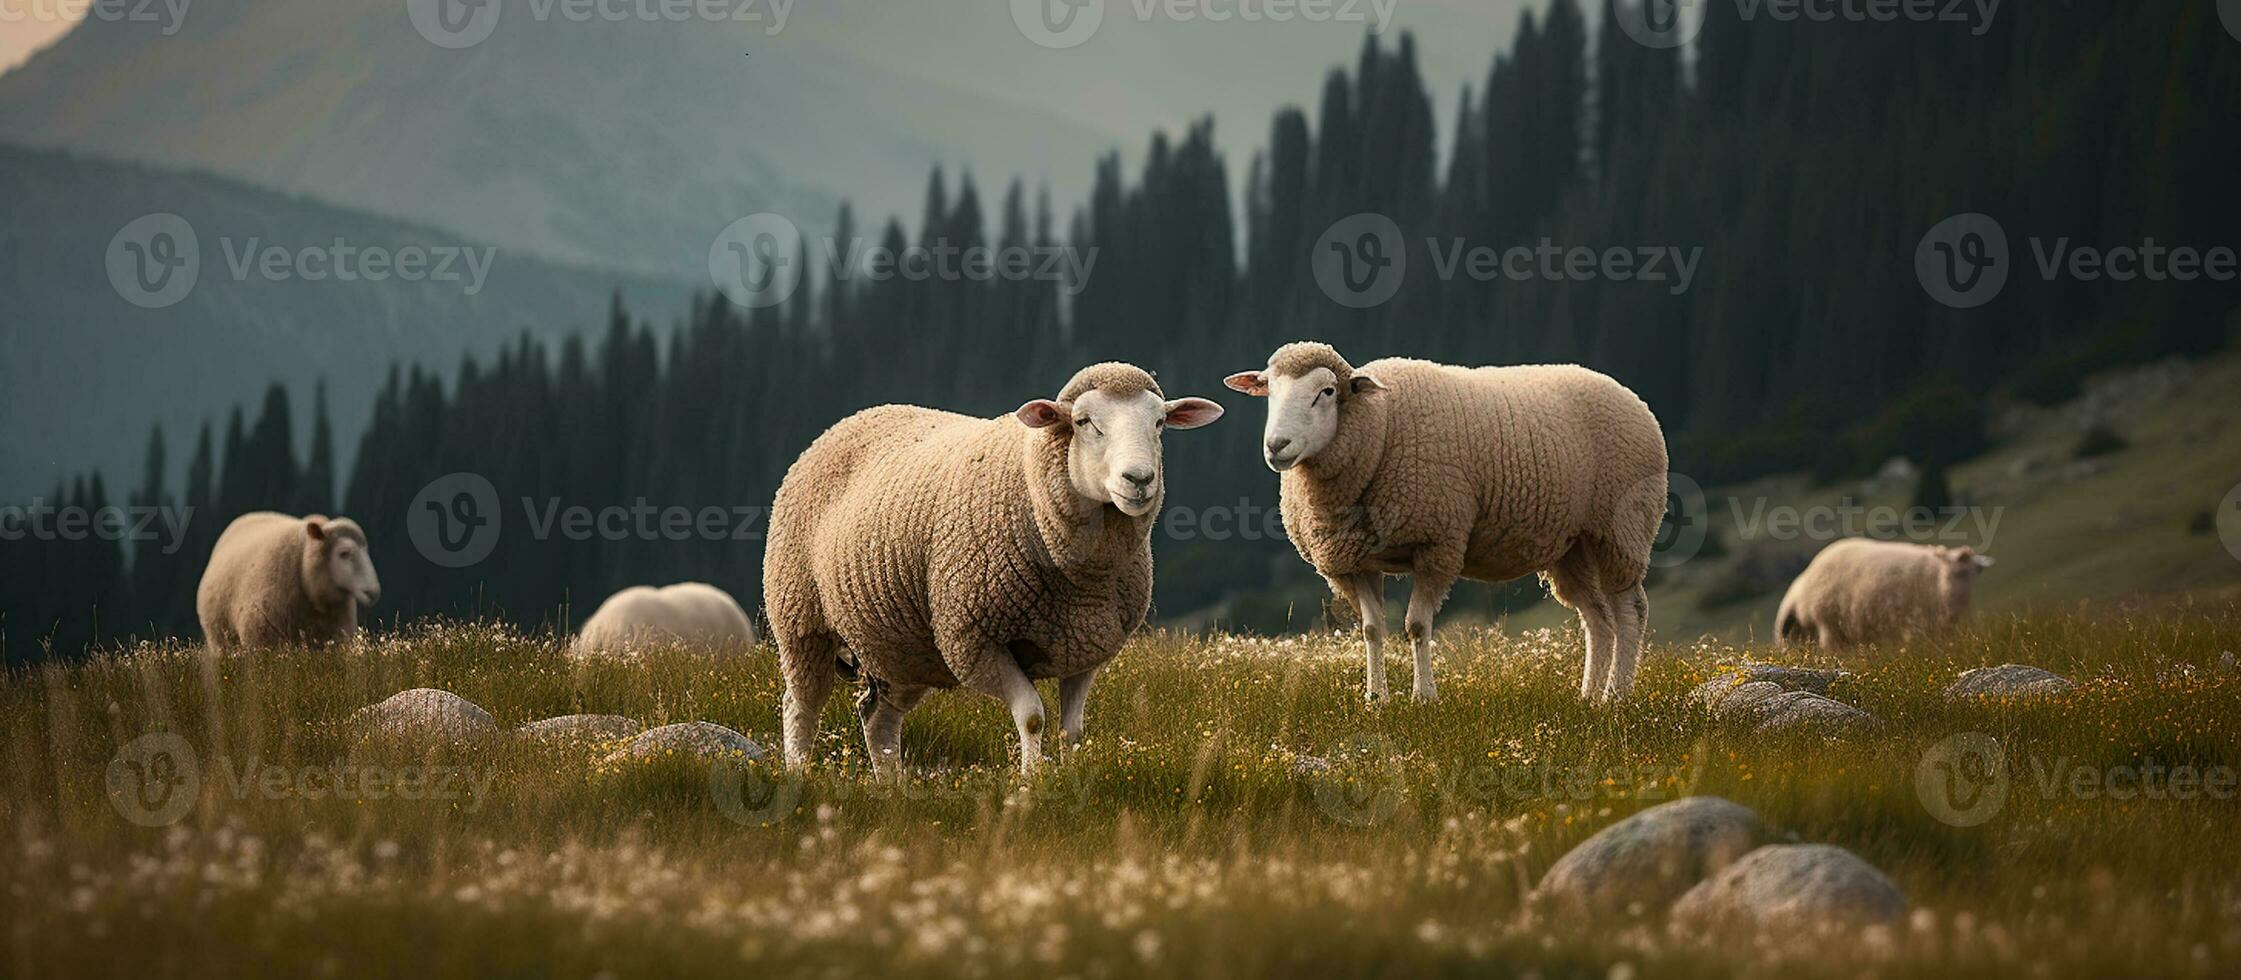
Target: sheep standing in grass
x=943 y=550
x=692 y=613
x=275 y=579
x=1859 y=591
x=1406 y=467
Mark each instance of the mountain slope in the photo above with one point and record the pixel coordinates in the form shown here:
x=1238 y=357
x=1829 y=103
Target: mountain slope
x=625 y=145
x=83 y=372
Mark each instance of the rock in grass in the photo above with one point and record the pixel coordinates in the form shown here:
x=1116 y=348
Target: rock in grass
x=1792 y=887
x=427 y=714
x=1773 y=698
x=1638 y=865
x=581 y=728
x=1805 y=710
x=692 y=739
x=2008 y=681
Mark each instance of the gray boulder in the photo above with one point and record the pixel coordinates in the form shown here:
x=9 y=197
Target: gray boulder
x=1771 y=698
x=693 y=739
x=1792 y=887
x=581 y=728
x=424 y=714
x=2008 y=681
x=1805 y=710
x=1639 y=865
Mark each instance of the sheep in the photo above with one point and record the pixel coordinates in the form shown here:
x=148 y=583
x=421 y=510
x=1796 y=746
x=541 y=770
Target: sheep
x=942 y=550
x=275 y=578
x=1860 y=591
x=693 y=613
x=1407 y=467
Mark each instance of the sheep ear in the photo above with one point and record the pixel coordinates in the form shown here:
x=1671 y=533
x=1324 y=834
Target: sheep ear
x=1190 y=413
x=1254 y=383
x=1364 y=384
x=316 y=528
x=1041 y=413
x=1982 y=561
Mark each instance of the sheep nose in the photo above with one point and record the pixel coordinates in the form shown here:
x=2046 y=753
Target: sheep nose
x=1276 y=446
x=1139 y=478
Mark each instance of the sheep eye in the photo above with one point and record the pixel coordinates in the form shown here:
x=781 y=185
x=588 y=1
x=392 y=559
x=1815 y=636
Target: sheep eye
x=1328 y=392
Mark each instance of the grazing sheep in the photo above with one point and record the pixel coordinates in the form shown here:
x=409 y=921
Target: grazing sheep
x=275 y=579
x=943 y=550
x=1860 y=591
x=1406 y=467
x=691 y=613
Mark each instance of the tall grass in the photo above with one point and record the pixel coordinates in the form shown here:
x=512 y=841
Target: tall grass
x=1237 y=811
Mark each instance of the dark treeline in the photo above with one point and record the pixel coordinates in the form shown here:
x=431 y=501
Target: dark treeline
x=1806 y=161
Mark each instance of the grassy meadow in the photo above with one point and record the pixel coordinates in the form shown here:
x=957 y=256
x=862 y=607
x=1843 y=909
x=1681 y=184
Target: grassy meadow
x=1236 y=812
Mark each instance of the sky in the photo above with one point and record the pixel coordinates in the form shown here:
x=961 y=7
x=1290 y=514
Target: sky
x=1137 y=73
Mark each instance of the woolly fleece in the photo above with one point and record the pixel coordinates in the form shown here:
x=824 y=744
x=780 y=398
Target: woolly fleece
x=1490 y=474
x=942 y=550
x=268 y=583
x=1859 y=591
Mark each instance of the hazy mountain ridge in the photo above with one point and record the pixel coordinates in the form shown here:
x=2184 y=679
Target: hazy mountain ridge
x=84 y=372
x=519 y=139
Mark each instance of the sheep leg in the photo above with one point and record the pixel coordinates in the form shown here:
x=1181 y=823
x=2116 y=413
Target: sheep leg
x=1425 y=597
x=1073 y=704
x=1369 y=600
x=882 y=708
x=999 y=677
x=1633 y=615
x=808 y=666
x=1575 y=585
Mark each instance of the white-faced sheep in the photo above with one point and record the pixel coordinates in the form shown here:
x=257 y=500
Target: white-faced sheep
x=943 y=550
x=275 y=579
x=1406 y=467
x=1859 y=591
x=691 y=613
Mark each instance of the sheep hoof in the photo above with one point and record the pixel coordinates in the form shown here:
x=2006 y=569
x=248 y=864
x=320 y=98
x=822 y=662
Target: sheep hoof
x=1373 y=697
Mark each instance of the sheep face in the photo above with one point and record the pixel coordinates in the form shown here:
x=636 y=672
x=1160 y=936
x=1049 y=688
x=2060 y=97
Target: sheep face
x=1961 y=566
x=1302 y=410
x=1113 y=451
x=337 y=567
